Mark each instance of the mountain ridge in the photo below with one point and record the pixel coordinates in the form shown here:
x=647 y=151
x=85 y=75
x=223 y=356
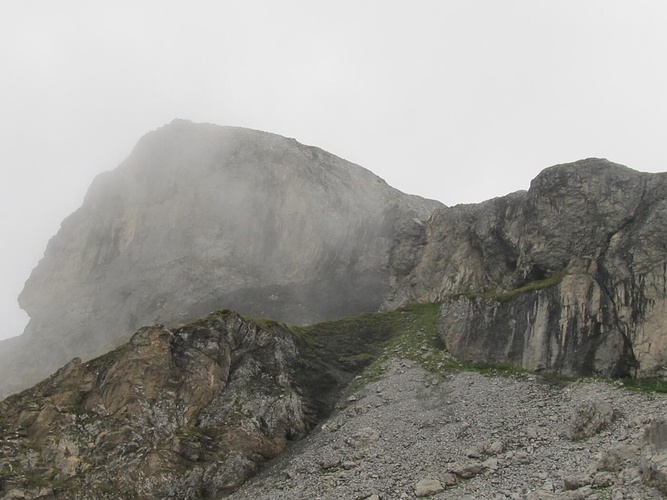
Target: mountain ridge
x=568 y=278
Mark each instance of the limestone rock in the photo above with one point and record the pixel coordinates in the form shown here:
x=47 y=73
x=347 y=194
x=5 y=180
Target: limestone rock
x=590 y=418
x=428 y=487
x=200 y=218
x=654 y=460
x=171 y=414
x=466 y=469
x=567 y=277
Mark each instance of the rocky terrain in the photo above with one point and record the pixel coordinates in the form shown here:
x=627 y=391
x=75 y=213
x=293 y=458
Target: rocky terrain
x=472 y=436
x=196 y=411
x=520 y=352
x=198 y=218
x=567 y=277
x=184 y=413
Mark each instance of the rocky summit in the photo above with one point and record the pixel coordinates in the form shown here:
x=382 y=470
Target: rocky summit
x=202 y=217
x=512 y=349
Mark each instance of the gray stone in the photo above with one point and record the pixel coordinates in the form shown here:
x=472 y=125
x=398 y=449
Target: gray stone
x=589 y=419
x=576 y=482
x=541 y=279
x=200 y=217
x=654 y=468
x=467 y=469
x=495 y=448
x=449 y=479
x=617 y=456
x=521 y=457
x=428 y=487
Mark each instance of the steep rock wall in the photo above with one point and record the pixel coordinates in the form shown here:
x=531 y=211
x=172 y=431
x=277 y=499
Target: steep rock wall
x=201 y=217
x=568 y=276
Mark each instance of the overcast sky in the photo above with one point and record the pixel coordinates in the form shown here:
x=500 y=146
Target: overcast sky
x=455 y=100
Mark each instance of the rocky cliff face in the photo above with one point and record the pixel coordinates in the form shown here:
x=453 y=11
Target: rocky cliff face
x=202 y=217
x=188 y=413
x=569 y=276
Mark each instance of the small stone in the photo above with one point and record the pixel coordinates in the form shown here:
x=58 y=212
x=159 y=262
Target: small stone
x=490 y=463
x=329 y=463
x=449 y=479
x=466 y=470
x=575 y=482
x=603 y=480
x=427 y=487
x=521 y=457
x=474 y=451
x=589 y=419
x=495 y=448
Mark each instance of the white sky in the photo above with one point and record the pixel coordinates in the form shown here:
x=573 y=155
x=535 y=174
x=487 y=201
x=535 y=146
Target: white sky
x=458 y=100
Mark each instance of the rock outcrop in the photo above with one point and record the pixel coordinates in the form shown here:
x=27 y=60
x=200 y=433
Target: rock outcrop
x=202 y=217
x=570 y=276
x=188 y=413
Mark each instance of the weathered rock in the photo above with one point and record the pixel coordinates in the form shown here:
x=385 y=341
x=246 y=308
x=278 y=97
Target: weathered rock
x=654 y=459
x=490 y=463
x=590 y=418
x=449 y=479
x=567 y=277
x=576 y=482
x=363 y=437
x=200 y=218
x=428 y=487
x=618 y=456
x=495 y=448
x=466 y=469
x=171 y=414
x=521 y=457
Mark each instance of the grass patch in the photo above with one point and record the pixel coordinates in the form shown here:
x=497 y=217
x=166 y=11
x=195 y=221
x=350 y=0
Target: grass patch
x=495 y=369
x=649 y=385
x=506 y=296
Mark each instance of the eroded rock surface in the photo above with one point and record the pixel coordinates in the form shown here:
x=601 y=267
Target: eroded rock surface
x=569 y=276
x=188 y=413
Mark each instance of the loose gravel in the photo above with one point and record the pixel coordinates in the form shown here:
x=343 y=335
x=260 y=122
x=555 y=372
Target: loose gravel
x=467 y=436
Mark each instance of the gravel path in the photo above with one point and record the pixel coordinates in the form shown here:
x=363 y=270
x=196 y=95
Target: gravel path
x=472 y=435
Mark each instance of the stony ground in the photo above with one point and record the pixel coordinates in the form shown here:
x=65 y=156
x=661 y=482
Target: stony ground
x=467 y=435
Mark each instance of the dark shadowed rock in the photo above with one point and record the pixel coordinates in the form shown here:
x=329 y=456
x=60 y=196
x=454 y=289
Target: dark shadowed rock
x=199 y=218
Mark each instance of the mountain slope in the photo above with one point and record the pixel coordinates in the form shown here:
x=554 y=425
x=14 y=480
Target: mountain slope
x=201 y=217
x=189 y=412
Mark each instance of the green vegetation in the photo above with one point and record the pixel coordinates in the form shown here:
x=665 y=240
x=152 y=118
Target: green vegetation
x=506 y=296
x=363 y=345
x=371 y=340
x=644 y=385
x=491 y=369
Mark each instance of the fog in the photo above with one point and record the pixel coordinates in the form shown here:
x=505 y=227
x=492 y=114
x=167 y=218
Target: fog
x=458 y=101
